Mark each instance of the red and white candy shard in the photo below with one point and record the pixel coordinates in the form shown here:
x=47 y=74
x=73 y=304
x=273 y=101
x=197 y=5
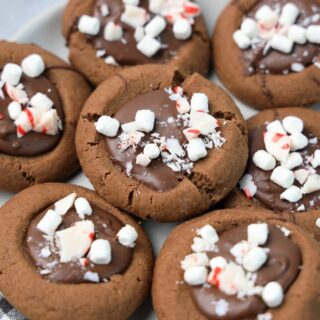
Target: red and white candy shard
x=63 y=205
x=204 y=122
x=91 y=276
x=75 y=242
x=247 y=185
x=278 y=145
x=49 y=223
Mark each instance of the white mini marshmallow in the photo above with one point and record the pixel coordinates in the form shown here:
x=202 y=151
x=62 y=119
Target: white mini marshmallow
x=276 y=126
x=50 y=222
x=63 y=205
x=281 y=43
x=33 y=66
x=201 y=245
x=134 y=16
x=318 y=222
x=89 y=25
x=282 y=177
x=258 y=233
x=196 y=149
x=313 y=34
x=139 y=34
x=249 y=27
x=301 y=175
x=145 y=119
x=149 y=46
x=209 y=234
x=266 y=16
x=297 y=34
x=254 y=259
x=292 y=194
x=240 y=249
x=182 y=29
x=298 y=141
x=100 y=252
x=107 y=126
x=196 y=276
x=264 y=160
x=248 y=186
x=113 y=32
x=156 y=6
x=200 y=102
x=155 y=26
x=41 y=102
x=132 y=2
x=294 y=160
x=293 y=124
x=129 y=127
x=142 y=160
x=183 y=105
x=272 y=294
x=219 y=262
x=194 y=259
x=241 y=39
x=297 y=67
x=14 y=110
x=289 y=14
x=83 y=207
x=104 y=9
x=127 y=236
x=315 y=162
x=91 y=276
x=312 y=184
x=151 y=150
x=11 y=74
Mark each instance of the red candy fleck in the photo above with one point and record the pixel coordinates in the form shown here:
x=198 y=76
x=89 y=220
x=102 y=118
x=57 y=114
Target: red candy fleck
x=191 y=8
x=30 y=116
x=277 y=137
x=21 y=131
x=247 y=193
x=1 y=116
x=91 y=235
x=285 y=146
x=195 y=131
x=214 y=279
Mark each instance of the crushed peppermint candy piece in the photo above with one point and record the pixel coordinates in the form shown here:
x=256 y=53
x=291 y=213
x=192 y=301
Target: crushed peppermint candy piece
x=248 y=186
x=91 y=276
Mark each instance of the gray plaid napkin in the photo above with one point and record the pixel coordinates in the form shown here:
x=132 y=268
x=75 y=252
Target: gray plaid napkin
x=8 y=312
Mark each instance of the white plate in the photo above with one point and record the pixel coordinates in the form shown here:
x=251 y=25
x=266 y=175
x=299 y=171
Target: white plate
x=45 y=31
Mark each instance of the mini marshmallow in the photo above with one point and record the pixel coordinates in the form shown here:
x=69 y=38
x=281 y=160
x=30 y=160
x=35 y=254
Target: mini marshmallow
x=254 y=259
x=249 y=27
x=107 y=126
x=151 y=150
x=63 y=205
x=174 y=147
x=139 y=34
x=218 y=262
x=196 y=276
x=298 y=141
x=301 y=175
x=50 y=222
x=272 y=294
x=289 y=14
x=313 y=34
x=209 y=234
x=155 y=26
x=127 y=236
x=266 y=16
x=294 y=160
x=33 y=66
x=142 y=160
x=241 y=39
x=129 y=127
x=276 y=126
x=14 y=110
x=312 y=184
x=104 y=9
x=182 y=29
x=318 y=222
x=113 y=32
x=100 y=252
x=315 y=162
x=205 y=122
x=111 y=60
x=292 y=194
x=240 y=249
x=258 y=233
x=248 y=186
x=297 y=34
x=293 y=124
x=91 y=276
x=196 y=149
x=156 y=6
x=11 y=74
x=89 y=25
x=134 y=16
x=191 y=133
x=145 y=119
x=183 y=105
x=282 y=177
x=200 y=102
x=278 y=145
x=149 y=46
x=297 y=67
x=132 y=2
x=201 y=245
x=281 y=43
x=41 y=101
x=83 y=207
x=264 y=160
x=194 y=259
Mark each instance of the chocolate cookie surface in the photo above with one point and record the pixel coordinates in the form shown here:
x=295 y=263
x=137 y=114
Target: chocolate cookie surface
x=260 y=57
x=38 y=116
x=115 y=43
x=182 y=295
x=124 y=282
x=153 y=189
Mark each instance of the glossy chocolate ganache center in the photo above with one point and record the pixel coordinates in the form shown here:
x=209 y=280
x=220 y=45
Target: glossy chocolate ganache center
x=282 y=266
x=32 y=143
x=257 y=59
x=106 y=227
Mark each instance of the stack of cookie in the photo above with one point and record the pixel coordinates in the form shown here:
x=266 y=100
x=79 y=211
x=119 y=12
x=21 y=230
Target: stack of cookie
x=159 y=141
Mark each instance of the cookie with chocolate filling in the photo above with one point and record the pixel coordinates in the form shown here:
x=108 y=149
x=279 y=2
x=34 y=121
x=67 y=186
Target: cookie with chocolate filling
x=158 y=144
x=79 y=257
x=285 y=180
x=254 y=266
x=40 y=100
x=267 y=52
x=106 y=36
